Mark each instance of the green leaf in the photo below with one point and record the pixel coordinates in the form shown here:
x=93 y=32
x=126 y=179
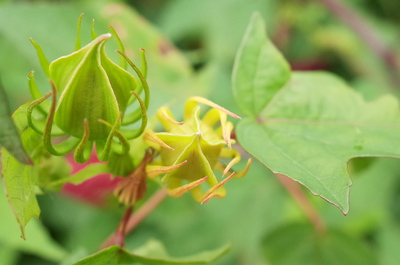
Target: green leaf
x=9 y=137
x=38 y=243
x=109 y=256
x=368 y=213
x=301 y=245
x=155 y=255
x=20 y=179
x=314 y=126
x=260 y=71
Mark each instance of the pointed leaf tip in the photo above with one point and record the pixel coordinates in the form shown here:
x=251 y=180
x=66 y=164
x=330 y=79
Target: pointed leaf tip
x=260 y=70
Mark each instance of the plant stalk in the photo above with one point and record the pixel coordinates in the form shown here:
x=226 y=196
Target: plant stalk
x=131 y=220
x=298 y=195
x=366 y=33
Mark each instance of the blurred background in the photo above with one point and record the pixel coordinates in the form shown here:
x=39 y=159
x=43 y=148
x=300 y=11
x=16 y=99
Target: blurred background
x=191 y=46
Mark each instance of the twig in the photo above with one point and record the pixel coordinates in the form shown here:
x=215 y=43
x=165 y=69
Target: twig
x=137 y=217
x=297 y=193
x=361 y=28
x=119 y=238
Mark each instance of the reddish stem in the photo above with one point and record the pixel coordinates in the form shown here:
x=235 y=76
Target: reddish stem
x=121 y=229
x=365 y=32
x=297 y=193
x=130 y=221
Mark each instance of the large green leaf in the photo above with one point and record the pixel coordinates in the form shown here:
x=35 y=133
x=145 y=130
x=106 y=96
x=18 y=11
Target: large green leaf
x=9 y=137
x=314 y=126
x=155 y=255
x=301 y=245
x=259 y=71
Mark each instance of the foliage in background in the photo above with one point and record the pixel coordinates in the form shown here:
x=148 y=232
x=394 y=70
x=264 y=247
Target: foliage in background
x=310 y=37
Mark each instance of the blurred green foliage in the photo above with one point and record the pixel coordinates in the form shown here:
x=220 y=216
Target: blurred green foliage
x=191 y=46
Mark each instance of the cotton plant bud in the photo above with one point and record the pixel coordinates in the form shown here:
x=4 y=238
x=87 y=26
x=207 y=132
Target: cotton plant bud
x=91 y=87
x=89 y=98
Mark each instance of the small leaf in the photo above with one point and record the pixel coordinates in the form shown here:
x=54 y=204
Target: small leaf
x=314 y=126
x=156 y=256
x=299 y=244
x=38 y=243
x=260 y=70
x=20 y=182
x=20 y=179
x=9 y=137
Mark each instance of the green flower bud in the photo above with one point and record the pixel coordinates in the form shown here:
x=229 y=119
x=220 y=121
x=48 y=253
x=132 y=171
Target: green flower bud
x=90 y=95
x=92 y=87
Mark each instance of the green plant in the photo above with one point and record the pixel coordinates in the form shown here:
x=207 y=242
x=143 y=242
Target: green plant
x=303 y=126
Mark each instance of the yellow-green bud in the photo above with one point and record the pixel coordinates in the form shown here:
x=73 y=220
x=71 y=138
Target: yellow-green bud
x=192 y=149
